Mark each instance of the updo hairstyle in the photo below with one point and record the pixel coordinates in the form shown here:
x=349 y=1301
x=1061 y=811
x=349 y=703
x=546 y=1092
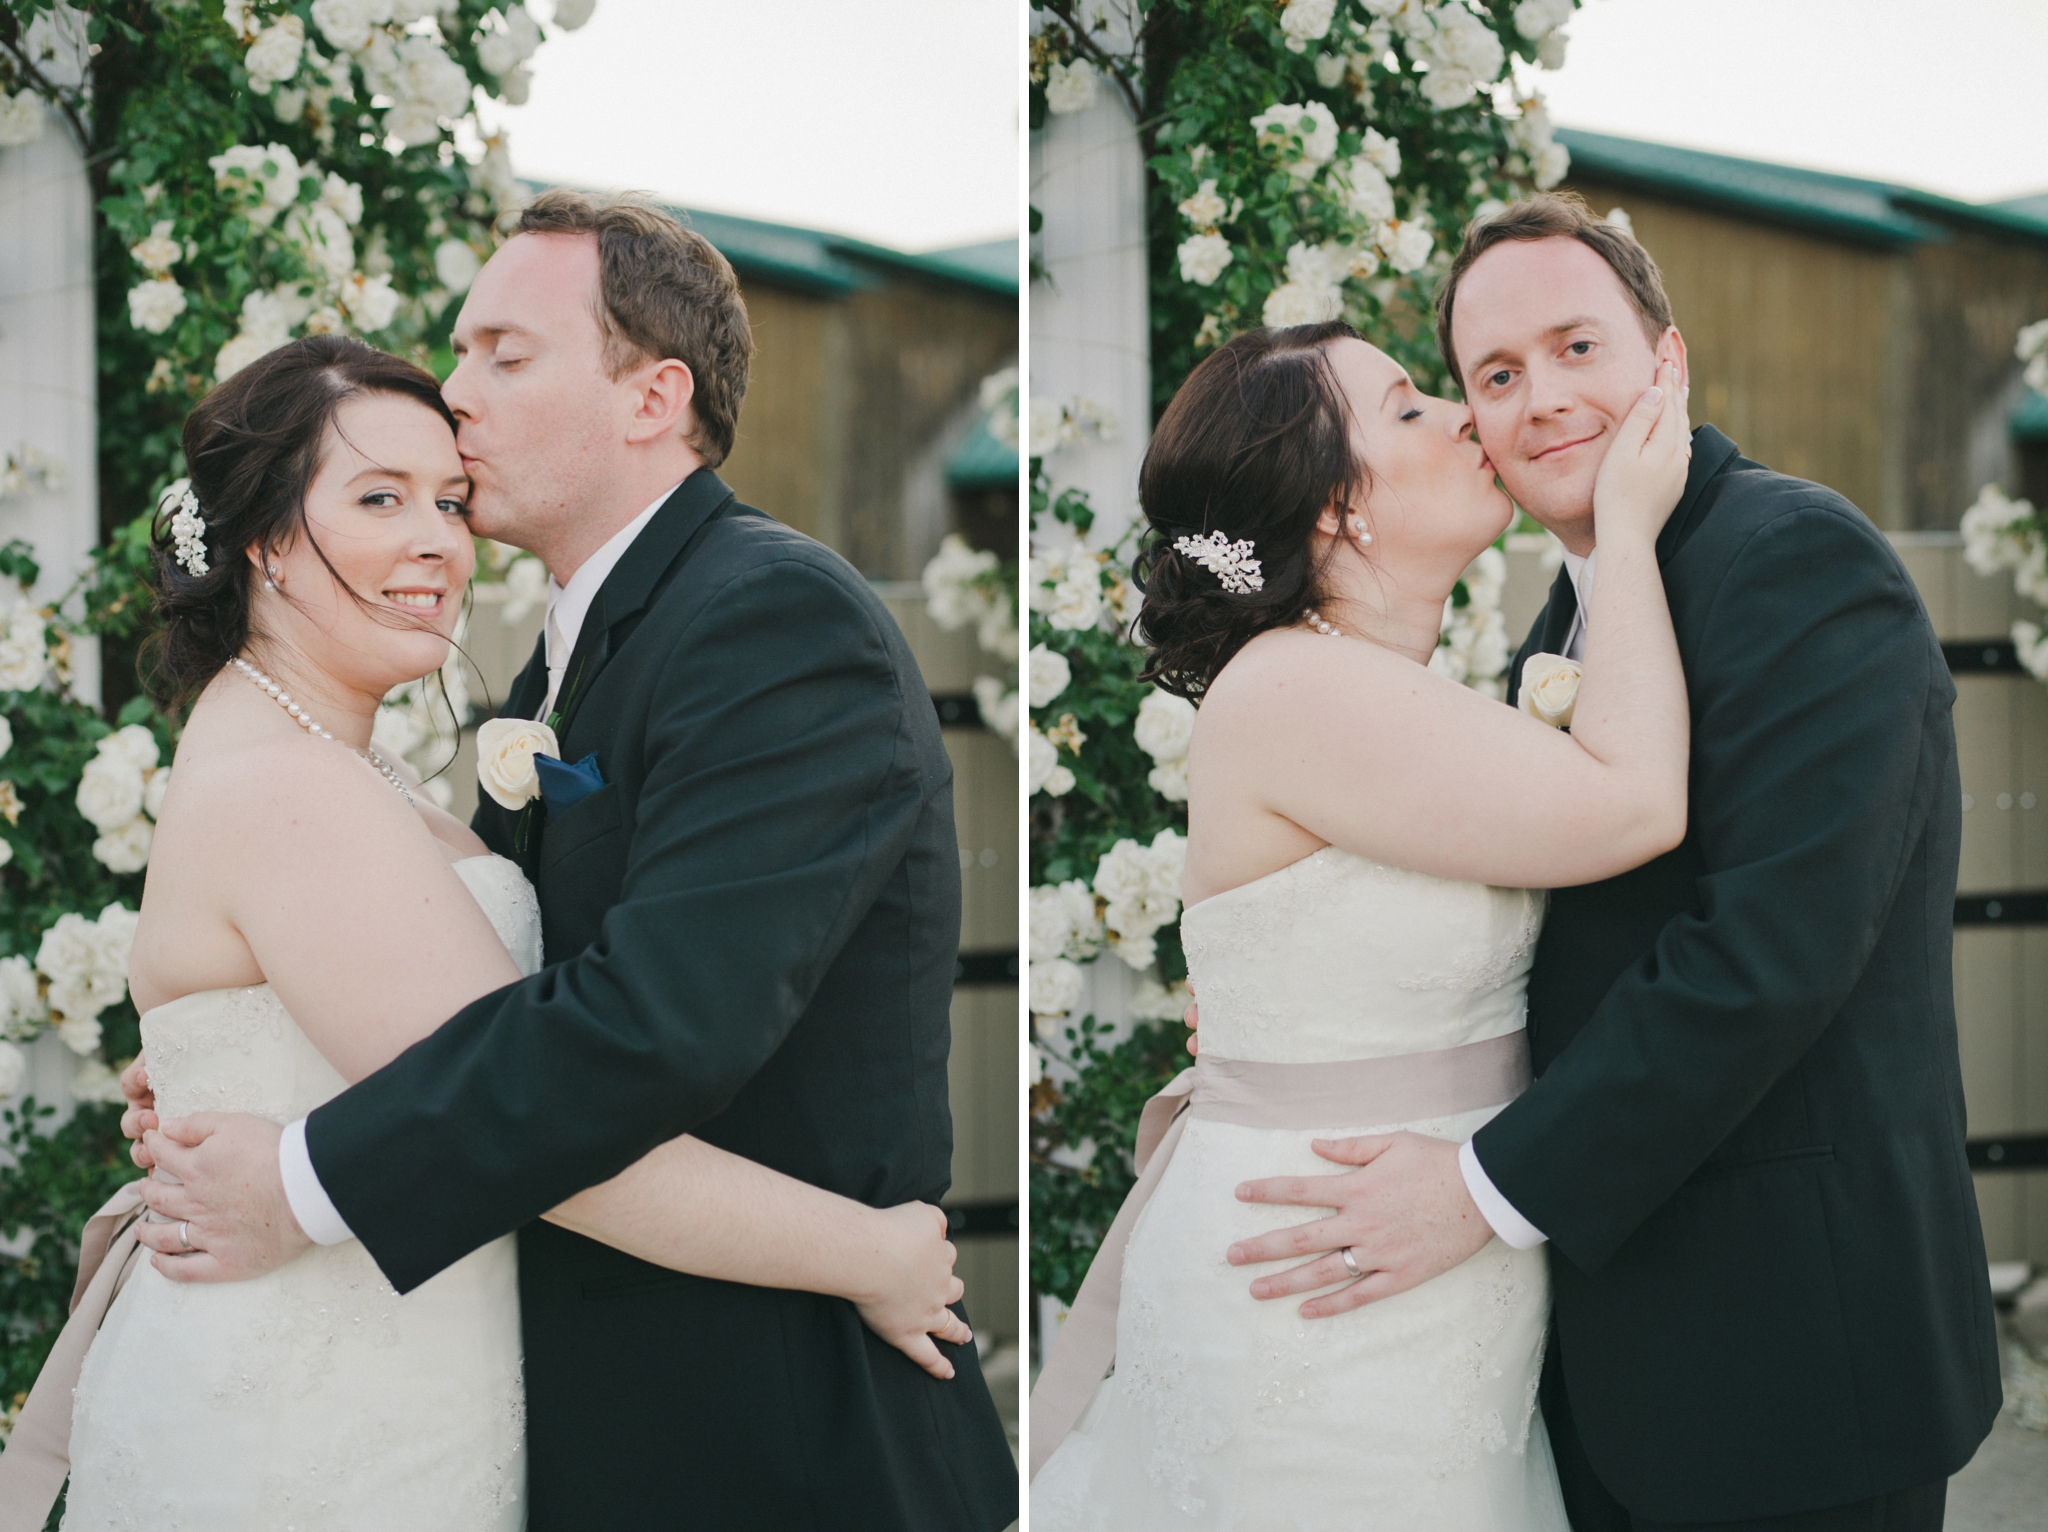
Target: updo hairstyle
x=252 y=448
x=1256 y=445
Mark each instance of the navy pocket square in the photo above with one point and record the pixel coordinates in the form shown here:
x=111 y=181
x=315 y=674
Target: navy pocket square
x=563 y=785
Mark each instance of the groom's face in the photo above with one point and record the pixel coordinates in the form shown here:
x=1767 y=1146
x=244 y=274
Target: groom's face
x=537 y=414
x=1554 y=356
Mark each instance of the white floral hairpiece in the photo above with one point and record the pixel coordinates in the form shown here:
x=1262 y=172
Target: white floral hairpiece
x=1230 y=562
x=188 y=530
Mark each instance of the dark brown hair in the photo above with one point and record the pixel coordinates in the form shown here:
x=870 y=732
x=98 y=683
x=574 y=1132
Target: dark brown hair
x=252 y=447
x=1256 y=445
x=664 y=292
x=1557 y=215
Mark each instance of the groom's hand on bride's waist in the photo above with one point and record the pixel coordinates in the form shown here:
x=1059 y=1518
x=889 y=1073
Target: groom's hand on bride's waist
x=140 y=1117
x=1404 y=1215
x=217 y=1207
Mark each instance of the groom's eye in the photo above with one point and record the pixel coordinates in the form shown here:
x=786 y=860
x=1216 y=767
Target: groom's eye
x=1498 y=379
x=1580 y=347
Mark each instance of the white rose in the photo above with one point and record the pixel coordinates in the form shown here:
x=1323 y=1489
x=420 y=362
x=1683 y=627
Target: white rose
x=110 y=791
x=113 y=938
x=516 y=86
x=1293 y=303
x=155 y=305
x=6 y=735
x=1059 y=783
x=1371 y=197
x=320 y=237
x=1447 y=87
x=345 y=23
x=160 y=252
x=135 y=744
x=1551 y=164
x=505 y=748
x=455 y=265
x=1382 y=152
x=24 y=651
x=1153 y=1001
x=413 y=123
x=1070 y=88
x=496 y=53
x=1164 y=725
x=81 y=1034
x=274 y=57
x=153 y=792
x=997 y=705
x=125 y=849
x=1550 y=53
x=344 y=197
x=1169 y=779
x=1049 y=674
x=1041 y=759
x=1056 y=987
x=1063 y=922
x=1407 y=245
x=371 y=302
x=21 y=118
x=1203 y=258
x=1537 y=19
x=571 y=14
x=1305 y=22
x=1076 y=604
x=1281 y=124
x=21 y=999
x=1205 y=209
x=1330 y=68
x=239 y=353
x=1550 y=688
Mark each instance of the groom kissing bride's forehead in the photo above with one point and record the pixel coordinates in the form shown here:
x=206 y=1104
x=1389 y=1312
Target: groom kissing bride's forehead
x=716 y=1119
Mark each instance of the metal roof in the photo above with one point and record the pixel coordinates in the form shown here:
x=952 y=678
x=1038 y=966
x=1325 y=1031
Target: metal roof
x=1845 y=207
x=834 y=265
x=981 y=462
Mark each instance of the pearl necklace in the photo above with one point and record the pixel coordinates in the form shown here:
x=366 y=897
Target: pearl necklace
x=305 y=721
x=1315 y=620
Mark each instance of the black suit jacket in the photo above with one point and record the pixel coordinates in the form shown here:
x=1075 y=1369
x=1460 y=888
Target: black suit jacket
x=1745 y=1139
x=752 y=929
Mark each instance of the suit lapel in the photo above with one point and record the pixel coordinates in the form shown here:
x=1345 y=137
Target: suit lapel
x=632 y=582
x=1552 y=627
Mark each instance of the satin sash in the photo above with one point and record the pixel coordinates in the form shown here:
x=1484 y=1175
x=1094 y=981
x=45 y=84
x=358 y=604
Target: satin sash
x=38 y=1456
x=1405 y=1087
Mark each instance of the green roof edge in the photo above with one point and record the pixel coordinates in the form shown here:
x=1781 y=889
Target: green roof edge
x=981 y=462
x=2029 y=419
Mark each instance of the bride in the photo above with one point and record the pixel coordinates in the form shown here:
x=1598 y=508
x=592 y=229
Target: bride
x=1363 y=838
x=308 y=914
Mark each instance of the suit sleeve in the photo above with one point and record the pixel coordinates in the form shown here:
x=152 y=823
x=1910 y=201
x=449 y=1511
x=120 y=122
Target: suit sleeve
x=781 y=788
x=1816 y=695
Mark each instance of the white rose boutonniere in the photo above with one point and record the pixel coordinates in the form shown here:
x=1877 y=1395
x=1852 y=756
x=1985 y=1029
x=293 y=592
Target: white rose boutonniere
x=1550 y=689
x=505 y=748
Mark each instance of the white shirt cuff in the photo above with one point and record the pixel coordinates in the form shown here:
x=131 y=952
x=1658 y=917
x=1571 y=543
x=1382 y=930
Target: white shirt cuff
x=316 y=1214
x=1511 y=1226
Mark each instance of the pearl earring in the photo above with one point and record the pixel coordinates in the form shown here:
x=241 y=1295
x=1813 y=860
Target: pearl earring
x=1358 y=532
x=269 y=578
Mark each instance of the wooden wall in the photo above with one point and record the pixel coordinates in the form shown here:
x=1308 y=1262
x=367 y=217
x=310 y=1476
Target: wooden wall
x=786 y=457
x=1790 y=342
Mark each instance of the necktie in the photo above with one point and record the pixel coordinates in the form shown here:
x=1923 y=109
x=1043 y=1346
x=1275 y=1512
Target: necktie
x=558 y=660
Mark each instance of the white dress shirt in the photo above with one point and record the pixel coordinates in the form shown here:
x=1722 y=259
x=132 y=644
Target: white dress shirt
x=568 y=605
x=1500 y=1213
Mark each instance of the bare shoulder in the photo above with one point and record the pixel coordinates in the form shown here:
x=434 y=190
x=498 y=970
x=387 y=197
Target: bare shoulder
x=290 y=789
x=1290 y=674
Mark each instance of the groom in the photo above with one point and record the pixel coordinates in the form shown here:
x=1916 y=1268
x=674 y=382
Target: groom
x=1744 y=1144
x=752 y=908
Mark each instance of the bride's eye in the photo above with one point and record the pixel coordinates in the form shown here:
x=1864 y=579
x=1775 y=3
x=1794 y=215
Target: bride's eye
x=454 y=507
x=1414 y=414
x=381 y=499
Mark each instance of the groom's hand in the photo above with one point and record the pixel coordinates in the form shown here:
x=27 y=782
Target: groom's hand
x=1404 y=1214
x=140 y=1116
x=216 y=1200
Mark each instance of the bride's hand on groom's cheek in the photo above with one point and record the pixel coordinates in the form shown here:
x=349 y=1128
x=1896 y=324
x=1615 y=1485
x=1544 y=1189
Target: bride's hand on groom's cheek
x=1404 y=1214
x=217 y=1208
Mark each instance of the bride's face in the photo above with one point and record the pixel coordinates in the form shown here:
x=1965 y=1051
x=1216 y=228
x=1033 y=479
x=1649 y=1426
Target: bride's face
x=388 y=508
x=1432 y=495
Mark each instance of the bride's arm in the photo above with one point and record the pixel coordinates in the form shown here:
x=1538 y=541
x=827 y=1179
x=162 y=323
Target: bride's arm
x=1380 y=756
x=695 y=1208
x=320 y=863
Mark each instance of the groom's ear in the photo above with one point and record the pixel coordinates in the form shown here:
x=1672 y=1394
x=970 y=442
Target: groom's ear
x=1671 y=348
x=666 y=391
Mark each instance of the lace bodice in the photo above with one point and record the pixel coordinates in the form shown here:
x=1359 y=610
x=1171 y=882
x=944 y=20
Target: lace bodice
x=1338 y=957
x=314 y=1397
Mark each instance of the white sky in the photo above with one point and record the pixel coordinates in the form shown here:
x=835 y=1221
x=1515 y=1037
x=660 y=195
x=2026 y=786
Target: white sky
x=897 y=121
x=1949 y=96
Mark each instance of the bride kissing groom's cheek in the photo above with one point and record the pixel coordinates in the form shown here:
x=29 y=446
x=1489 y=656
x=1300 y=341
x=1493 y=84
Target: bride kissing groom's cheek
x=1583 y=1091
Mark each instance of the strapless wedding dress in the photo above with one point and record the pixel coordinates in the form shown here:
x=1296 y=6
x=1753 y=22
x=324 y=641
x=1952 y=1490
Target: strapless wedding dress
x=1413 y=1414
x=314 y=1397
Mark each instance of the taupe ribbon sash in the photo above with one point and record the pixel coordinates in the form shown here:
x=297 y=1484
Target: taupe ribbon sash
x=38 y=1455
x=1405 y=1087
